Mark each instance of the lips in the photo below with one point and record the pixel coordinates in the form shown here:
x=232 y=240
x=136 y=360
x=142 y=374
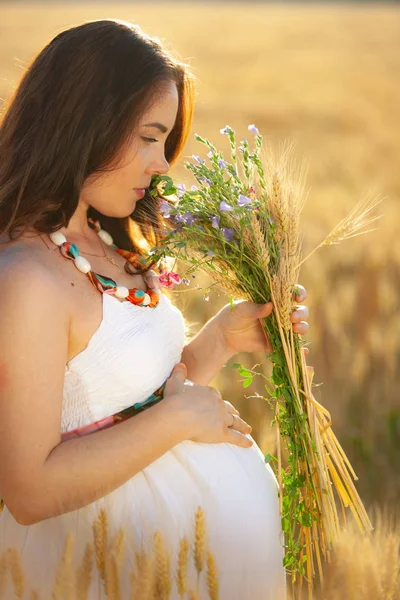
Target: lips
x=140 y=191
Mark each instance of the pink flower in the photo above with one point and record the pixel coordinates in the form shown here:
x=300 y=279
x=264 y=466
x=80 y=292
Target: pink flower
x=170 y=279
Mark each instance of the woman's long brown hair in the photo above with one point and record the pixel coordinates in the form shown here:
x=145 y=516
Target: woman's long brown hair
x=74 y=109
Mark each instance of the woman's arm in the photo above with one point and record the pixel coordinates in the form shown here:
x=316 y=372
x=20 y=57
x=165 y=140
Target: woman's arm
x=40 y=477
x=82 y=470
x=206 y=354
x=234 y=329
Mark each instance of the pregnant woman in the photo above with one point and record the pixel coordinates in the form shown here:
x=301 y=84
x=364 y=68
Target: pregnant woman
x=85 y=332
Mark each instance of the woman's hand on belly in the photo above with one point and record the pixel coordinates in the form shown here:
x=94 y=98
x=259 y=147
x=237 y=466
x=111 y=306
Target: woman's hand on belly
x=206 y=416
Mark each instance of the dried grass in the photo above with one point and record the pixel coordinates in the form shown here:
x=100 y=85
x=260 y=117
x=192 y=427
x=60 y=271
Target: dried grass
x=362 y=567
x=151 y=578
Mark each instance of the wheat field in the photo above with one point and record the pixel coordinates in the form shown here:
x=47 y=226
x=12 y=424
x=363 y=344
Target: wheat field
x=327 y=77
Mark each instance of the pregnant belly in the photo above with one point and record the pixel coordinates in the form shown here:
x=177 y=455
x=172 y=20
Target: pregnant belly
x=236 y=491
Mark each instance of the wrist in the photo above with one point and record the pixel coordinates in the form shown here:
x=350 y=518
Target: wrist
x=206 y=353
x=221 y=342
x=177 y=417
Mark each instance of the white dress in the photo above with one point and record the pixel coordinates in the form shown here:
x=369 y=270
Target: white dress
x=130 y=355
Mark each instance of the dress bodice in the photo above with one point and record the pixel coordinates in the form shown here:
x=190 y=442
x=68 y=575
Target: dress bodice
x=128 y=357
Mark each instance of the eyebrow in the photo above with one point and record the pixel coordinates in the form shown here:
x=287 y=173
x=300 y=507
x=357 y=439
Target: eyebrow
x=159 y=126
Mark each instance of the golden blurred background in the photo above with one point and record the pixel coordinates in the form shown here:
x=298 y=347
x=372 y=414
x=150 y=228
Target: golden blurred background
x=326 y=76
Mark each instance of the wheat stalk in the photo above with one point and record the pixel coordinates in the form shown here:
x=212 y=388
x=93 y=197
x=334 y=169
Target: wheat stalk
x=3 y=574
x=142 y=577
x=200 y=541
x=13 y=561
x=64 y=584
x=212 y=577
x=183 y=558
x=352 y=225
x=163 y=569
x=83 y=573
x=100 y=535
x=113 y=566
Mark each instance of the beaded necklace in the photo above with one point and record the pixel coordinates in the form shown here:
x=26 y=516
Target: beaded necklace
x=106 y=285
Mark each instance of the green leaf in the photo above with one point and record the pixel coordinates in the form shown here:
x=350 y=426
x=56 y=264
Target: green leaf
x=305 y=519
x=285 y=525
x=247 y=382
x=286 y=394
x=236 y=366
x=288 y=560
x=276 y=359
x=245 y=372
x=268 y=457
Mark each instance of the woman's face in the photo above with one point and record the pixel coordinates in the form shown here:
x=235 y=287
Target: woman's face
x=116 y=192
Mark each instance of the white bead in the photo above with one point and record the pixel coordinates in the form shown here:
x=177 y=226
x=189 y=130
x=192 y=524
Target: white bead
x=146 y=300
x=121 y=292
x=57 y=238
x=82 y=264
x=106 y=237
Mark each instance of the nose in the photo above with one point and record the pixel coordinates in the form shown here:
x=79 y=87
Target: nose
x=159 y=167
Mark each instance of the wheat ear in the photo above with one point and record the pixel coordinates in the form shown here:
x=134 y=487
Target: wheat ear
x=183 y=558
x=163 y=569
x=64 y=584
x=83 y=573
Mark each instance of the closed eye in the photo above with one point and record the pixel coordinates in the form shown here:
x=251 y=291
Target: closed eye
x=149 y=140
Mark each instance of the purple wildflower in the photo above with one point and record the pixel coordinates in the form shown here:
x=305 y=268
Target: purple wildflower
x=215 y=222
x=188 y=218
x=194 y=188
x=178 y=218
x=205 y=180
x=198 y=159
x=211 y=253
x=243 y=200
x=224 y=207
x=221 y=164
x=210 y=154
x=227 y=233
x=226 y=130
x=253 y=129
x=165 y=208
x=186 y=281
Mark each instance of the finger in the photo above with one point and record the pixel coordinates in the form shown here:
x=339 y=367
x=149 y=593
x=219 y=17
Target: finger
x=238 y=439
x=300 y=293
x=301 y=328
x=230 y=408
x=301 y=313
x=239 y=424
x=251 y=310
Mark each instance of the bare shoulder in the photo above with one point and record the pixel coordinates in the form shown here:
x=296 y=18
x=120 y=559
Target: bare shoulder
x=30 y=290
x=25 y=268
x=34 y=326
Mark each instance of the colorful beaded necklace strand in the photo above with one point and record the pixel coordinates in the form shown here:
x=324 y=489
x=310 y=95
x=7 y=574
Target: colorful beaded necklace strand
x=106 y=285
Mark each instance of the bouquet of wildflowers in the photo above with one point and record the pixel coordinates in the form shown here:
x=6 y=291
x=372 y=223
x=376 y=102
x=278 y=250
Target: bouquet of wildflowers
x=240 y=224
